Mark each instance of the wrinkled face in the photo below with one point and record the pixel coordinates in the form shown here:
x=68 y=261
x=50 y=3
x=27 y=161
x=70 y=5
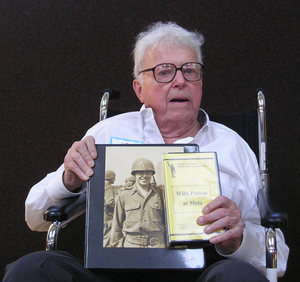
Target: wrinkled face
x=178 y=99
x=143 y=177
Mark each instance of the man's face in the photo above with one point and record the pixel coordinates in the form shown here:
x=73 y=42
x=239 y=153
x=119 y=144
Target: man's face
x=178 y=99
x=143 y=178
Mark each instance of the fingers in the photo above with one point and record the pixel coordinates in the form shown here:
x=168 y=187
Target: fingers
x=90 y=143
x=220 y=208
x=233 y=224
x=222 y=213
x=219 y=202
x=79 y=162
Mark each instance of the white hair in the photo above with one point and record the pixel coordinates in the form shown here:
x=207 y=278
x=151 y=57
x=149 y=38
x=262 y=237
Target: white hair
x=166 y=34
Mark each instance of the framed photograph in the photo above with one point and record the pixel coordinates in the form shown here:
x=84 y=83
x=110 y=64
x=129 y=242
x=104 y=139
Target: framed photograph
x=125 y=220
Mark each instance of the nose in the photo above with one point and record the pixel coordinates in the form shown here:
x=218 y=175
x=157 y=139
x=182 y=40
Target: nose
x=179 y=80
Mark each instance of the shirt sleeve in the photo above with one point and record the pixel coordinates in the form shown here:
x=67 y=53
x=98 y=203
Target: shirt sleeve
x=241 y=183
x=117 y=223
x=51 y=189
x=253 y=250
x=253 y=245
x=42 y=195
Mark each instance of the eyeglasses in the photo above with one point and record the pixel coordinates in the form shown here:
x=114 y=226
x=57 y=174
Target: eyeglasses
x=164 y=73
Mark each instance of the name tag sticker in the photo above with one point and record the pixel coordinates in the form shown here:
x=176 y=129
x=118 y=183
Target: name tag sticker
x=115 y=140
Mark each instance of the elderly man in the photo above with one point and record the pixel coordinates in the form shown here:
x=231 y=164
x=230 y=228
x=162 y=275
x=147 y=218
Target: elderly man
x=168 y=75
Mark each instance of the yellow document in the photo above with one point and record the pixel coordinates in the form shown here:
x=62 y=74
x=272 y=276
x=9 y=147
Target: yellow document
x=191 y=182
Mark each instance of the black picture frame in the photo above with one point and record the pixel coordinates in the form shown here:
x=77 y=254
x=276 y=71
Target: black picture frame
x=99 y=257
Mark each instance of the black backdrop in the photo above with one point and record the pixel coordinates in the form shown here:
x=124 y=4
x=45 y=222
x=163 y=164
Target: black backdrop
x=56 y=57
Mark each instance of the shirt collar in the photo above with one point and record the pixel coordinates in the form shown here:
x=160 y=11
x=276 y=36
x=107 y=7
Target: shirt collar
x=153 y=188
x=147 y=113
x=203 y=117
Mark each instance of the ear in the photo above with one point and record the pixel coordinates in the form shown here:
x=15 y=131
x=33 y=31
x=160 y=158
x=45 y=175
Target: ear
x=137 y=86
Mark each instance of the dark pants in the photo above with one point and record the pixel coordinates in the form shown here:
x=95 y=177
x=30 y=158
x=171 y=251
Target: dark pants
x=61 y=266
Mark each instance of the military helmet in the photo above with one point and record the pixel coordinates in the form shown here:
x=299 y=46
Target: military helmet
x=142 y=164
x=130 y=178
x=109 y=174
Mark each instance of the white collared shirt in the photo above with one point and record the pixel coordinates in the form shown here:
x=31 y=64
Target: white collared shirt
x=239 y=176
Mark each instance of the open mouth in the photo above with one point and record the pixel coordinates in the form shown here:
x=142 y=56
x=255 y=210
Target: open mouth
x=179 y=100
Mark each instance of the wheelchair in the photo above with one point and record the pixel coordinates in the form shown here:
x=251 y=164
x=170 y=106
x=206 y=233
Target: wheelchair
x=251 y=126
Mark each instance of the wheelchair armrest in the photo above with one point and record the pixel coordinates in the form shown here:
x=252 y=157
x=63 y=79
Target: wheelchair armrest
x=271 y=211
x=66 y=209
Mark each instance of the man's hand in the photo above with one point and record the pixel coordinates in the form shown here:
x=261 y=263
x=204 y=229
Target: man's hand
x=79 y=162
x=223 y=213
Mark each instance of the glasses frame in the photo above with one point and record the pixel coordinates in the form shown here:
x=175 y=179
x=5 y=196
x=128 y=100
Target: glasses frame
x=176 y=69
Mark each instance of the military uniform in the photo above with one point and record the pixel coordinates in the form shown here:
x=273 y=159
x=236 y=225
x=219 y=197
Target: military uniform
x=139 y=221
x=109 y=202
x=109 y=205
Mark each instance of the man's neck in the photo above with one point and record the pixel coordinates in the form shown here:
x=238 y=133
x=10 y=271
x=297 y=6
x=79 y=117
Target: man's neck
x=179 y=131
x=143 y=190
x=175 y=127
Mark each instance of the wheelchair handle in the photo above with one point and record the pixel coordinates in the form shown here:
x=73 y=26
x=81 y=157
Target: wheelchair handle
x=262 y=136
x=108 y=94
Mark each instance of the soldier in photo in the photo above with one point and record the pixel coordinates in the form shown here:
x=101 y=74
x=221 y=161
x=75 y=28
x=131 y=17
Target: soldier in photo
x=138 y=220
x=109 y=205
x=129 y=181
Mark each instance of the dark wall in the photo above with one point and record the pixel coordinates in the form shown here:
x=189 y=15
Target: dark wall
x=56 y=57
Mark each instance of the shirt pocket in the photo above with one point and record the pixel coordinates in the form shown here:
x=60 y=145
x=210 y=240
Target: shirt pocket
x=132 y=211
x=157 y=205
x=157 y=213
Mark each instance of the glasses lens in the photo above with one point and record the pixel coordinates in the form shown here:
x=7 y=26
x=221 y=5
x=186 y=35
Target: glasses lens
x=164 y=72
x=192 y=71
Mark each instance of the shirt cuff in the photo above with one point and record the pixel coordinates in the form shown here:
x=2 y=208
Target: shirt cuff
x=56 y=188
x=247 y=249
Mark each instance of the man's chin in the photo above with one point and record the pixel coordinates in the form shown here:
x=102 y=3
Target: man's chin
x=181 y=112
